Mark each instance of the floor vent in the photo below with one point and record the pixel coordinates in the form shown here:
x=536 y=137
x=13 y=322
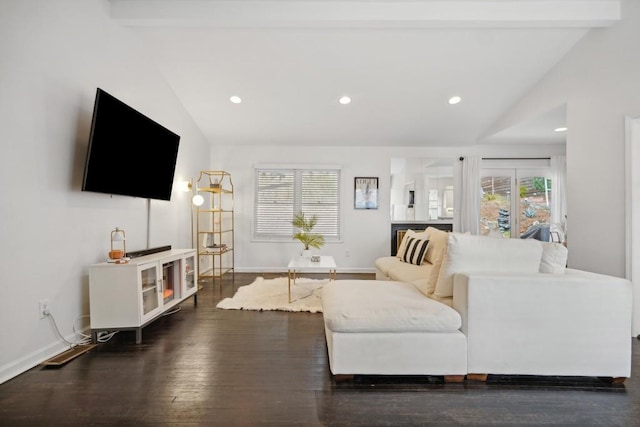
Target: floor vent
x=68 y=355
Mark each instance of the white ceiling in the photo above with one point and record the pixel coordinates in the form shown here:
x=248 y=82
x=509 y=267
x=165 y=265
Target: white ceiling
x=400 y=61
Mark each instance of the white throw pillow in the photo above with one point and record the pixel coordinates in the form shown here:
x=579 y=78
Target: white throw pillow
x=430 y=285
x=436 y=252
x=437 y=243
x=481 y=254
x=554 y=258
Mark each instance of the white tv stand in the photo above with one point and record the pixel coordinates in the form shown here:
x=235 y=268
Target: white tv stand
x=130 y=296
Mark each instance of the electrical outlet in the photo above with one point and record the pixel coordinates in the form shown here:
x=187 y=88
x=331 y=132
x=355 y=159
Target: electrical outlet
x=347 y=253
x=43 y=307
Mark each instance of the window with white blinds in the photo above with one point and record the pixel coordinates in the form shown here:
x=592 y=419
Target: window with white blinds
x=282 y=192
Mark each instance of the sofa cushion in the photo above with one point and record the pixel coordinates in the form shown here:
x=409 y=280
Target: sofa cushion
x=481 y=254
x=386 y=263
x=554 y=258
x=444 y=300
x=414 y=251
x=394 y=269
x=410 y=273
x=384 y=306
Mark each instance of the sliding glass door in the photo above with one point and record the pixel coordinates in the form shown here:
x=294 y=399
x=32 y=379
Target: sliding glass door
x=496 y=203
x=534 y=191
x=516 y=202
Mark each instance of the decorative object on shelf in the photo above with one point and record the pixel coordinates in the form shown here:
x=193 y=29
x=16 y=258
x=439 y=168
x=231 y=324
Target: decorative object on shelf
x=365 y=193
x=118 y=251
x=208 y=241
x=315 y=258
x=304 y=234
x=411 y=213
x=216 y=248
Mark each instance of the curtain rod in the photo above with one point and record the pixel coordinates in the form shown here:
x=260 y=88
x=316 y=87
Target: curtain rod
x=512 y=158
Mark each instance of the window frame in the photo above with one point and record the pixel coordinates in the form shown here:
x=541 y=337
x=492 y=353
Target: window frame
x=298 y=171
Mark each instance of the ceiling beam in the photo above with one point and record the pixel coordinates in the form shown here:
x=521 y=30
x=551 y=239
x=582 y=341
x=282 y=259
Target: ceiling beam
x=367 y=14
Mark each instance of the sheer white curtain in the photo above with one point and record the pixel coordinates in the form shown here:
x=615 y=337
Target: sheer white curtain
x=559 y=199
x=470 y=201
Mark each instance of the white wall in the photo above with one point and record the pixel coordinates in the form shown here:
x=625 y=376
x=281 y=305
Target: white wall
x=366 y=233
x=54 y=55
x=599 y=80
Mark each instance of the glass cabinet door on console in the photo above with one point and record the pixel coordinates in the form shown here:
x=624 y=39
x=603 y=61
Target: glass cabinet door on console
x=189 y=276
x=149 y=290
x=171 y=279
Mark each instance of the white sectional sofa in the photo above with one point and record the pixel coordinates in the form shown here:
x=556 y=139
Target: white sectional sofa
x=477 y=306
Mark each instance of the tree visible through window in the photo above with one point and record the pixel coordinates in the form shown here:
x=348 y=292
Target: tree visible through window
x=280 y=193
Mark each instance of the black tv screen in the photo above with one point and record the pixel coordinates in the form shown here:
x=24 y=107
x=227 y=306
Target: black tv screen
x=129 y=154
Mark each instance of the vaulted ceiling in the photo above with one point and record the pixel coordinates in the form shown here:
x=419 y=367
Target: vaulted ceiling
x=399 y=61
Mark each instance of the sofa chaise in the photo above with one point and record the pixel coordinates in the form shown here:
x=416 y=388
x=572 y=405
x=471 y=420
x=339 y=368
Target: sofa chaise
x=475 y=306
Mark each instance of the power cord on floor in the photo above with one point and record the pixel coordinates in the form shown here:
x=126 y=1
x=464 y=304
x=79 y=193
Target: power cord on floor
x=102 y=337
x=83 y=335
x=85 y=340
x=105 y=336
x=174 y=311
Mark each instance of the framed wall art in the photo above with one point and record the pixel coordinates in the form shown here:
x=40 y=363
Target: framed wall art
x=365 y=192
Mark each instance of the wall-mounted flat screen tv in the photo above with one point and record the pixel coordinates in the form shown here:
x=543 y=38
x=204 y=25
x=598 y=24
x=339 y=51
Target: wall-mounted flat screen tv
x=129 y=154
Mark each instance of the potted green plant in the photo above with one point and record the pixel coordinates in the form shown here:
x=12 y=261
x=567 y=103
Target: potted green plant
x=305 y=226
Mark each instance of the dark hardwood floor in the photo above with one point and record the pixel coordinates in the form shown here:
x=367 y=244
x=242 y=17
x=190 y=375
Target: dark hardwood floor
x=204 y=366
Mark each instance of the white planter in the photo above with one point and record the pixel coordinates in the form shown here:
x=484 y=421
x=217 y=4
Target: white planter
x=306 y=253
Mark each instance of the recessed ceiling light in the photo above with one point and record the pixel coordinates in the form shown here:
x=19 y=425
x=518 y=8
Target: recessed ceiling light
x=235 y=99
x=561 y=129
x=345 y=100
x=454 y=100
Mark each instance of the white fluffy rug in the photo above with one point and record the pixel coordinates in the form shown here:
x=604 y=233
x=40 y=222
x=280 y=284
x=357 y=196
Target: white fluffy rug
x=272 y=294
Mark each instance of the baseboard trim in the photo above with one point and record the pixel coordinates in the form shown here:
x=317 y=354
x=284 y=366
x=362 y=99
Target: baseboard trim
x=33 y=359
x=30 y=361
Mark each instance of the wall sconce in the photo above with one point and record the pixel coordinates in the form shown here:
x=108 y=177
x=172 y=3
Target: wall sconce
x=185 y=186
x=118 y=246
